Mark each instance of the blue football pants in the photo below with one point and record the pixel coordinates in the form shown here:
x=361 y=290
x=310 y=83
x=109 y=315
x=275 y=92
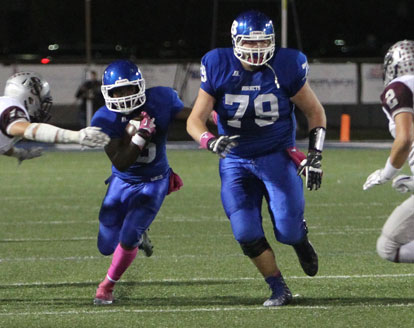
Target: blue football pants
x=245 y=182
x=127 y=211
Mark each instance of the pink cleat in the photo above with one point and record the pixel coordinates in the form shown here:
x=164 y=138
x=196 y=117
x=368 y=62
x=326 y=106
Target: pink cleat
x=104 y=294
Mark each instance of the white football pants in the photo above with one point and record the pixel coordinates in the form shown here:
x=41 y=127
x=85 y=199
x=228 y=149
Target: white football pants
x=396 y=242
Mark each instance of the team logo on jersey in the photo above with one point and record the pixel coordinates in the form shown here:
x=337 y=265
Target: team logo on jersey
x=236 y=73
x=123 y=119
x=251 y=88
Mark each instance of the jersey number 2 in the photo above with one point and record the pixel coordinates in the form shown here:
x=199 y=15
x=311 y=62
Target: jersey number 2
x=262 y=118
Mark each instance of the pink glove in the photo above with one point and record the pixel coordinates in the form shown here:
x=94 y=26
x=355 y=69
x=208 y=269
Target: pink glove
x=175 y=182
x=146 y=126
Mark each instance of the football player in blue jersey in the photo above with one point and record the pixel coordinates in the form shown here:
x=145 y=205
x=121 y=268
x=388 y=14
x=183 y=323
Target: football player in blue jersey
x=137 y=120
x=255 y=87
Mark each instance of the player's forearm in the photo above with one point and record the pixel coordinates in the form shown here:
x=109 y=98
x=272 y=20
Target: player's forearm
x=316 y=119
x=48 y=133
x=124 y=157
x=196 y=127
x=400 y=151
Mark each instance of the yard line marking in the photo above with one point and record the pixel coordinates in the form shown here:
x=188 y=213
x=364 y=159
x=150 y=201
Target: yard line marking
x=206 y=309
x=207 y=279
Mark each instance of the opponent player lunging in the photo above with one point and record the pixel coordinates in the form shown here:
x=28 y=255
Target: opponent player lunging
x=24 y=109
x=396 y=242
x=141 y=175
x=254 y=88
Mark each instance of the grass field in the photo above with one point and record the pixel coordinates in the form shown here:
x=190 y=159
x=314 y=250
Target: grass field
x=50 y=266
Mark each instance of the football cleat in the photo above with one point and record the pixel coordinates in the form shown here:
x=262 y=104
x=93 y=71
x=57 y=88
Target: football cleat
x=308 y=258
x=103 y=296
x=145 y=244
x=281 y=294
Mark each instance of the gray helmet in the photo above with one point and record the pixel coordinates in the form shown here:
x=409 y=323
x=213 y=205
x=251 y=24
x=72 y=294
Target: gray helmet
x=33 y=92
x=399 y=60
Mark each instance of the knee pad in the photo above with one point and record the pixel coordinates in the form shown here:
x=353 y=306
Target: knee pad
x=255 y=248
x=387 y=249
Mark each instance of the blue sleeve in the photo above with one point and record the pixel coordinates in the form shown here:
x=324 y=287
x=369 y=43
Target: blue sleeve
x=300 y=68
x=107 y=126
x=207 y=73
x=176 y=104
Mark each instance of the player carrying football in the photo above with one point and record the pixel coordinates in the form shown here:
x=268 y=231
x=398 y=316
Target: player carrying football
x=396 y=242
x=254 y=88
x=137 y=120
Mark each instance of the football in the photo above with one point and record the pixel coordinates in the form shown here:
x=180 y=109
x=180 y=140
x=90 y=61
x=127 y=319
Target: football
x=131 y=130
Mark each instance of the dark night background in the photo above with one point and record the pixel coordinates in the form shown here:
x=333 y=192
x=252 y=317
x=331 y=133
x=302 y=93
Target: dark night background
x=183 y=29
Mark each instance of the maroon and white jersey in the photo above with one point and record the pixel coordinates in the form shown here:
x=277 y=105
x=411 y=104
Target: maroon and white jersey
x=11 y=111
x=398 y=97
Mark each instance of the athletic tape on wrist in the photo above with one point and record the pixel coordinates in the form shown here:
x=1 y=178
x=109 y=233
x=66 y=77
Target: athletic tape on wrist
x=138 y=140
x=44 y=132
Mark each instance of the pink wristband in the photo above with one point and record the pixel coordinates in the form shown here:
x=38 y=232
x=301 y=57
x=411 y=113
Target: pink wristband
x=204 y=138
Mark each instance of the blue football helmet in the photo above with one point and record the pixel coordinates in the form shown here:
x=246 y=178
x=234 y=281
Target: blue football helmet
x=121 y=74
x=253 y=26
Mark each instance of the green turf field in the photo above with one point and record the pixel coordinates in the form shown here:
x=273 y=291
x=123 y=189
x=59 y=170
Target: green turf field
x=197 y=277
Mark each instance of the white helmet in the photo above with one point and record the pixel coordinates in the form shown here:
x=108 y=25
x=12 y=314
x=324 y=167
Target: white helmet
x=33 y=92
x=399 y=60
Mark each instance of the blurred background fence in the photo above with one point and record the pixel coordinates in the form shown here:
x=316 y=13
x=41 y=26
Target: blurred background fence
x=347 y=87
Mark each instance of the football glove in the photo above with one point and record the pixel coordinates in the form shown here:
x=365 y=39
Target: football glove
x=92 y=136
x=374 y=179
x=23 y=154
x=381 y=176
x=222 y=145
x=311 y=167
x=403 y=183
x=146 y=128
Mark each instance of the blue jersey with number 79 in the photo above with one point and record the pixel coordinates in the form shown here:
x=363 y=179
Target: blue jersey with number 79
x=255 y=104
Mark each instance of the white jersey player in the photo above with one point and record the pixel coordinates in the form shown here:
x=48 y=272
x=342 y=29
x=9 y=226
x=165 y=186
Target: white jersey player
x=23 y=109
x=396 y=242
